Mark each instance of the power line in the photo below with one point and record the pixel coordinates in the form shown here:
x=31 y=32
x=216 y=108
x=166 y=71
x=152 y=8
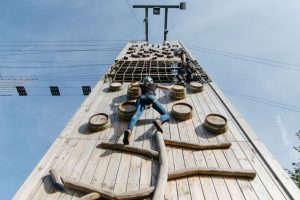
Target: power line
x=248 y=60
x=243 y=55
x=67 y=41
x=264 y=101
x=59 y=51
x=49 y=67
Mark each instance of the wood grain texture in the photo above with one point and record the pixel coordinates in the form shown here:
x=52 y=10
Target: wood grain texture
x=130 y=149
x=197 y=146
x=163 y=168
x=211 y=171
x=107 y=194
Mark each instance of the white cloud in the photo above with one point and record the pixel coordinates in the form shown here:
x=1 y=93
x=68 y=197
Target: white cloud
x=284 y=134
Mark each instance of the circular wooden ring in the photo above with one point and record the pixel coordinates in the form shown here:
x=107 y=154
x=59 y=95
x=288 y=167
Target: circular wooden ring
x=196 y=86
x=182 y=111
x=115 y=86
x=216 y=120
x=98 y=122
x=126 y=110
x=178 y=88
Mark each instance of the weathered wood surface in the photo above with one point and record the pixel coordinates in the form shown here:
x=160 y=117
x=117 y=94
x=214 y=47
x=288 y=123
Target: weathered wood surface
x=76 y=156
x=212 y=172
x=130 y=149
x=197 y=146
x=161 y=182
x=107 y=194
x=91 y=196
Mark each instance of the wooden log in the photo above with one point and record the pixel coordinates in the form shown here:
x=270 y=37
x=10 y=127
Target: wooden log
x=91 y=196
x=162 y=179
x=56 y=179
x=212 y=171
x=190 y=145
x=107 y=194
x=130 y=149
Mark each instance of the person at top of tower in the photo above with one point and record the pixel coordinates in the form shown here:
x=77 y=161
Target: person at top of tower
x=186 y=68
x=148 y=98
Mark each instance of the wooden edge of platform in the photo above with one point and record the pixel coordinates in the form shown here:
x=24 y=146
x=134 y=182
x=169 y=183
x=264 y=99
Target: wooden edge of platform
x=190 y=145
x=129 y=149
x=211 y=171
x=91 y=196
x=162 y=179
x=107 y=194
x=55 y=177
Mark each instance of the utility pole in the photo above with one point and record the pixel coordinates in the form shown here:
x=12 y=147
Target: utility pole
x=156 y=11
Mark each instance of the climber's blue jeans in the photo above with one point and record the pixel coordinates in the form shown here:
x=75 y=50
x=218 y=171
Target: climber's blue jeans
x=144 y=101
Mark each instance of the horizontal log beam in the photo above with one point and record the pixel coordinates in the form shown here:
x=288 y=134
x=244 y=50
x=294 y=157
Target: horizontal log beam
x=107 y=194
x=91 y=196
x=204 y=146
x=211 y=171
x=129 y=149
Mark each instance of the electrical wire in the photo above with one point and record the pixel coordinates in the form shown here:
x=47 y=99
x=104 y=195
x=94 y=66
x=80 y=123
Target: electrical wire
x=264 y=101
x=249 y=60
x=243 y=55
x=50 y=67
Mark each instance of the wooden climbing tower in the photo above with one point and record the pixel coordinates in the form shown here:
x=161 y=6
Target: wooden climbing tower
x=206 y=151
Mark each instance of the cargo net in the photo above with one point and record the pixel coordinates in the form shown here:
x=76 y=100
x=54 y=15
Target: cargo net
x=161 y=71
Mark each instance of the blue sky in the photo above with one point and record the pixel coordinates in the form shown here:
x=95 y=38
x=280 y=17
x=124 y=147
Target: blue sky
x=259 y=28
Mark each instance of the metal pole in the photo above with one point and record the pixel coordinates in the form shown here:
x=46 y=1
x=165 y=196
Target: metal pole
x=146 y=24
x=166 y=24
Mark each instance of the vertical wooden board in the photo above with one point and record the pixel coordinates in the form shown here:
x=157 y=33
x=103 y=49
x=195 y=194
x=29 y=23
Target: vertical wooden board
x=217 y=108
x=81 y=163
x=194 y=182
x=221 y=186
x=118 y=126
x=115 y=160
x=232 y=126
x=189 y=160
x=101 y=169
x=34 y=180
x=112 y=171
x=183 y=190
x=91 y=166
x=268 y=182
x=206 y=183
x=171 y=191
x=63 y=158
x=71 y=130
x=102 y=106
x=200 y=132
x=256 y=183
x=182 y=185
x=67 y=168
x=122 y=176
x=238 y=188
x=211 y=109
x=136 y=161
x=83 y=160
x=203 y=111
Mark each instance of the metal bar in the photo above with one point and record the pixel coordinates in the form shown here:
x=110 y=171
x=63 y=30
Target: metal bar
x=146 y=24
x=154 y=6
x=166 y=24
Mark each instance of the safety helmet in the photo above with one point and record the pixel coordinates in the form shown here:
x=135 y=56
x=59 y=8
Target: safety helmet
x=147 y=80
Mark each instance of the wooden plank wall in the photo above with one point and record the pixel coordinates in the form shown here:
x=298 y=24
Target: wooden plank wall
x=75 y=154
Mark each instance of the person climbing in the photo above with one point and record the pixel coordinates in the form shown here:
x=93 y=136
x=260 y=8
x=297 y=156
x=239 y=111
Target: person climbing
x=147 y=98
x=186 y=68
